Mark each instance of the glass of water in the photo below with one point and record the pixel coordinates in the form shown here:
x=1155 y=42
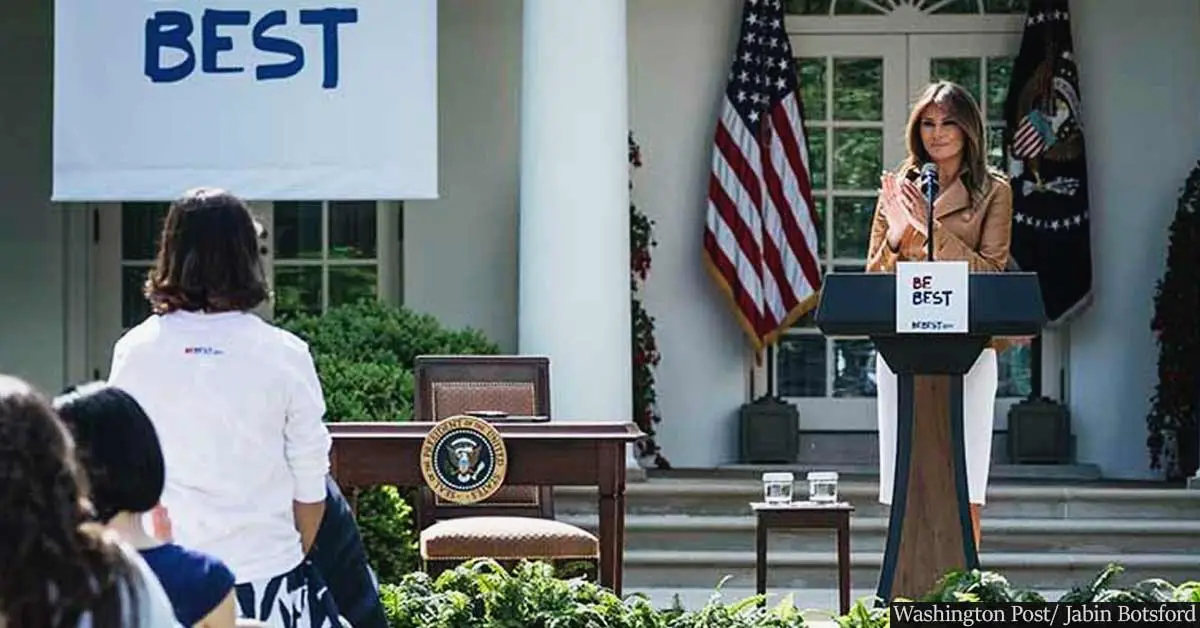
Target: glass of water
x=822 y=486
x=777 y=487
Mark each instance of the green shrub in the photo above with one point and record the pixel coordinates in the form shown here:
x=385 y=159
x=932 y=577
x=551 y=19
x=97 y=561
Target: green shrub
x=480 y=593
x=374 y=332
x=978 y=586
x=364 y=354
x=386 y=523
x=365 y=391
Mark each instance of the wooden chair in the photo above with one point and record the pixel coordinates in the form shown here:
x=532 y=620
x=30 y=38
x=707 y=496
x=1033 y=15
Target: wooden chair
x=517 y=522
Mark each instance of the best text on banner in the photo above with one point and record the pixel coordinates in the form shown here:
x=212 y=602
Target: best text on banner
x=932 y=297
x=271 y=99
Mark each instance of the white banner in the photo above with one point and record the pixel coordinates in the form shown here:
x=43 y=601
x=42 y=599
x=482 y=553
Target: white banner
x=933 y=297
x=270 y=99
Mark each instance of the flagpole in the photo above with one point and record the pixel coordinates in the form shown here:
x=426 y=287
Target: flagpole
x=770 y=372
x=1035 y=367
x=753 y=380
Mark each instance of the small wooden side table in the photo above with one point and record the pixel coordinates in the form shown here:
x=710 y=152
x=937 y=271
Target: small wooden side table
x=810 y=516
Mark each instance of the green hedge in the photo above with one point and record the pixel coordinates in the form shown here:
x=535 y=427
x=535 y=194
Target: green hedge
x=481 y=594
x=364 y=354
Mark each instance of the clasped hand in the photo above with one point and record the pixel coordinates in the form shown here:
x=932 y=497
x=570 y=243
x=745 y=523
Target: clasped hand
x=902 y=205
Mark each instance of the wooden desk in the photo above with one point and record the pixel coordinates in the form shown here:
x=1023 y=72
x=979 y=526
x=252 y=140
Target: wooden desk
x=801 y=516
x=562 y=453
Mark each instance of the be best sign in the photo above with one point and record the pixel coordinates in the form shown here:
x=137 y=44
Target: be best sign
x=274 y=100
x=932 y=297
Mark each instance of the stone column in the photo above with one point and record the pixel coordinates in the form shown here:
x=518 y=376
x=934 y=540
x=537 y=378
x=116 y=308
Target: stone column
x=574 y=287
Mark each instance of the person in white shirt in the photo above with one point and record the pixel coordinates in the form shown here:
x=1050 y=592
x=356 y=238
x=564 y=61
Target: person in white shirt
x=238 y=409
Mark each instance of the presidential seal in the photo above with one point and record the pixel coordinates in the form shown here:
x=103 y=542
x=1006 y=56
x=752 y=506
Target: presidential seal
x=463 y=459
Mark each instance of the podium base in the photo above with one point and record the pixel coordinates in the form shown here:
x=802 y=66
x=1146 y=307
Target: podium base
x=929 y=529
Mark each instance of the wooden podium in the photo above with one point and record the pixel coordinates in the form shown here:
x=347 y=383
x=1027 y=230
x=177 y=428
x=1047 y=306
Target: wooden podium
x=929 y=530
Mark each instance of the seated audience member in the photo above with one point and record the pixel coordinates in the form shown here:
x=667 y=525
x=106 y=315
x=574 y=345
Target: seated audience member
x=119 y=450
x=57 y=568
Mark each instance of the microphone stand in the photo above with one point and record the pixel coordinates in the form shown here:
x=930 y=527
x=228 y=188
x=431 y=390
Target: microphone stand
x=930 y=193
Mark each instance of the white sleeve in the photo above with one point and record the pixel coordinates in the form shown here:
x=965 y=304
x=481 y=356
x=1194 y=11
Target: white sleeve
x=306 y=439
x=128 y=372
x=118 y=369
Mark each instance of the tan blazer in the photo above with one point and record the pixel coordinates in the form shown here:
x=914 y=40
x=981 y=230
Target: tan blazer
x=978 y=231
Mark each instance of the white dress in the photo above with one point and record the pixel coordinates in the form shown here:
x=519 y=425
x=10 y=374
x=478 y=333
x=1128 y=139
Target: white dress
x=979 y=408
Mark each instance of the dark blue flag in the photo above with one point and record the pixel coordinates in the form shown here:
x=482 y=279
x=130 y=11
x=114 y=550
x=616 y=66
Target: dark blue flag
x=1044 y=147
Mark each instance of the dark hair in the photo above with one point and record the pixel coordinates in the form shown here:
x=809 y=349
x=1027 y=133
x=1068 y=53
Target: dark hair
x=118 y=448
x=961 y=107
x=55 y=565
x=208 y=256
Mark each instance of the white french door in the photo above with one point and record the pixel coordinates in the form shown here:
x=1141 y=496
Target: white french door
x=983 y=64
x=855 y=94
x=857 y=91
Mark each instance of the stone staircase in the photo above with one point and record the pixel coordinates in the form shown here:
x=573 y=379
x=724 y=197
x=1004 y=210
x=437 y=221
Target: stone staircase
x=683 y=535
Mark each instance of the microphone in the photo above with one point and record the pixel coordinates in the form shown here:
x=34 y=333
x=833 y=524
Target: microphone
x=929 y=181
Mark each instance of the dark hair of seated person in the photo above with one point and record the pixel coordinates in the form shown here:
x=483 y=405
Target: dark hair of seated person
x=120 y=451
x=56 y=566
x=118 y=447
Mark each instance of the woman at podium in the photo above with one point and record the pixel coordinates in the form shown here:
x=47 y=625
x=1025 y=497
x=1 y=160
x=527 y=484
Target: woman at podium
x=972 y=214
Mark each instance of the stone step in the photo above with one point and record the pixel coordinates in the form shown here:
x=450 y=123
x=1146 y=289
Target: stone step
x=686 y=533
x=1000 y=472
x=724 y=497
x=647 y=569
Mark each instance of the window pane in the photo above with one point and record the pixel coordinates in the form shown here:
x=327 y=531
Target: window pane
x=807 y=7
x=857 y=7
x=811 y=74
x=349 y=284
x=858 y=89
x=857 y=158
x=352 y=230
x=298 y=230
x=999 y=71
x=954 y=7
x=854 y=368
x=141 y=227
x=964 y=71
x=995 y=147
x=297 y=290
x=1005 y=6
x=817 y=141
x=800 y=364
x=134 y=306
x=1016 y=372
x=852 y=226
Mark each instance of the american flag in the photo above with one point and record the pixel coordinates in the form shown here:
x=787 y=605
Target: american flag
x=760 y=240
x=1027 y=140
